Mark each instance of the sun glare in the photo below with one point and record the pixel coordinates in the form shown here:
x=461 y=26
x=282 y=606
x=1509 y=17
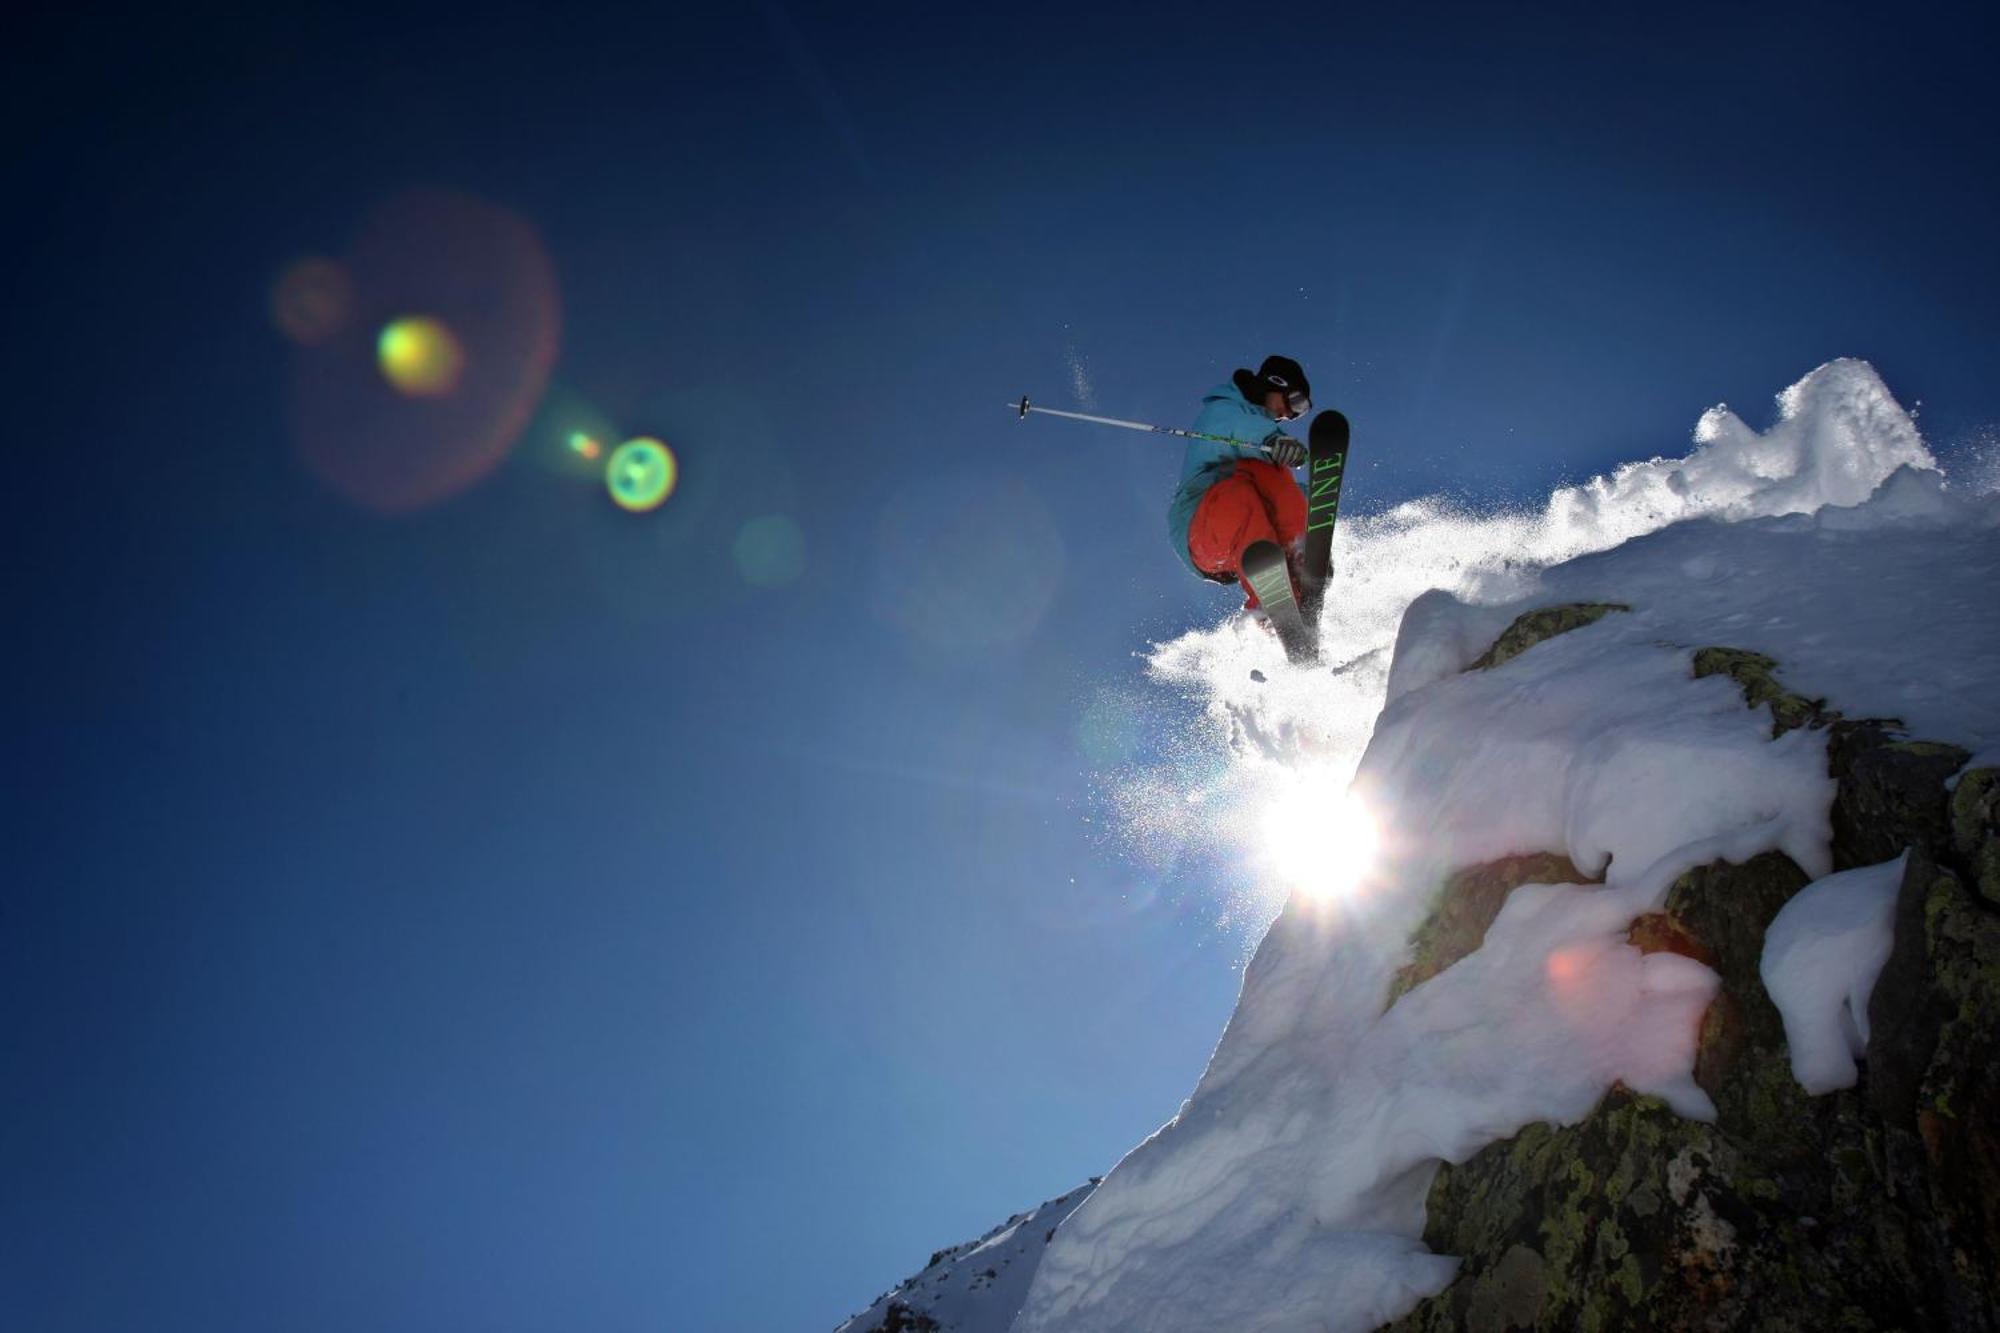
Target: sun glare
x=1319 y=837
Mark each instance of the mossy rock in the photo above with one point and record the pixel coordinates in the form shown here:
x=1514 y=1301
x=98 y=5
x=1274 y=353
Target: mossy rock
x=1757 y=676
x=1723 y=911
x=1975 y=829
x=1891 y=794
x=1633 y=1219
x=1958 y=1100
x=1465 y=906
x=1934 y=1081
x=1533 y=627
x=1791 y=1212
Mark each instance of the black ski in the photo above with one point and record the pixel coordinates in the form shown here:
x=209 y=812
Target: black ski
x=1326 y=461
x=1265 y=571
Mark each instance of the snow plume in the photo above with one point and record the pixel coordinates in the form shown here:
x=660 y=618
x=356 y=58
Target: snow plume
x=1975 y=464
x=1288 y=1192
x=1079 y=377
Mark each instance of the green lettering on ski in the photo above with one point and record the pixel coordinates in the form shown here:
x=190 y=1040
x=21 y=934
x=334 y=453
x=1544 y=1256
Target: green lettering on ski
x=1273 y=589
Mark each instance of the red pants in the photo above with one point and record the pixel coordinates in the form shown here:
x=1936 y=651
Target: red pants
x=1259 y=501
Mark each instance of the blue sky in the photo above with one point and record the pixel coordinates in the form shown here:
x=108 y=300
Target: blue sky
x=506 y=916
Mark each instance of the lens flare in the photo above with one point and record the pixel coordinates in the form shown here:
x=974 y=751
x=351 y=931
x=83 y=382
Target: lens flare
x=1318 y=836
x=420 y=356
x=585 y=445
x=312 y=300
x=641 y=475
x=440 y=364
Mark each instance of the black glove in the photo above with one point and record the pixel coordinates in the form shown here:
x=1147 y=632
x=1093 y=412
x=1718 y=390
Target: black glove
x=1285 y=451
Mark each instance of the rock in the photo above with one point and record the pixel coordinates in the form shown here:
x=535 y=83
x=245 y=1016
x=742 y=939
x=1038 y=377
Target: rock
x=1975 y=829
x=1756 y=674
x=1891 y=794
x=1634 y=1219
x=1533 y=627
x=901 y=1318
x=1466 y=905
x=1934 y=1061
x=1742 y=1061
x=1891 y=790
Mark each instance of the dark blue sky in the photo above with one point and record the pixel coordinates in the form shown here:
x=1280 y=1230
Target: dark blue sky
x=506 y=916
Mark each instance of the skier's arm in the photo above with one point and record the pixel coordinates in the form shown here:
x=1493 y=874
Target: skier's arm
x=1252 y=430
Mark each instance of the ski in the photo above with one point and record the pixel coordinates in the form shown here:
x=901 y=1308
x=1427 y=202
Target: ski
x=1264 y=569
x=1326 y=461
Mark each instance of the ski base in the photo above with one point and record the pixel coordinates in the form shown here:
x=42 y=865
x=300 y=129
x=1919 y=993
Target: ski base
x=1264 y=569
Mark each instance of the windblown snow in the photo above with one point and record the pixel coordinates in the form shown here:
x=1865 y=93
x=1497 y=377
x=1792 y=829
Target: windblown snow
x=1288 y=1192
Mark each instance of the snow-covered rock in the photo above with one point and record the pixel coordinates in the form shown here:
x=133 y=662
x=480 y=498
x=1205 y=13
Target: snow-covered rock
x=1520 y=1069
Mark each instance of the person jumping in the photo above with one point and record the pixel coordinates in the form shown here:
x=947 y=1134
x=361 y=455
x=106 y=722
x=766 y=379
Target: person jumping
x=1233 y=495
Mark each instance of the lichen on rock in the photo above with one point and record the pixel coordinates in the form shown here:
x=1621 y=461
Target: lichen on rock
x=1891 y=793
x=1534 y=627
x=1465 y=906
x=1635 y=1218
x=1756 y=675
x=1975 y=829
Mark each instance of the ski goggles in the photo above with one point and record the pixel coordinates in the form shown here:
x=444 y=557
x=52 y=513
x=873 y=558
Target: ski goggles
x=1296 y=400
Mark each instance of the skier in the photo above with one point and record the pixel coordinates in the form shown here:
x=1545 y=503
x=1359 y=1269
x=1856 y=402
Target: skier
x=1238 y=515
x=1234 y=495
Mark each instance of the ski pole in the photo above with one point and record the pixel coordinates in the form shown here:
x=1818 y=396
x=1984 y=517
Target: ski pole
x=1024 y=407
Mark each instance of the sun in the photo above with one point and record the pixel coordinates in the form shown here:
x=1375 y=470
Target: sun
x=1319 y=837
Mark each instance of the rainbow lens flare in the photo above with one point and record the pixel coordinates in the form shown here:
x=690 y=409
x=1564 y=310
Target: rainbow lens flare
x=420 y=356
x=585 y=445
x=399 y=416
x=641 y=474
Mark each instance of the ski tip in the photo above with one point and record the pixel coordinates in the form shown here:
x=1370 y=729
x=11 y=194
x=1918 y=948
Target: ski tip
x=1329 y=427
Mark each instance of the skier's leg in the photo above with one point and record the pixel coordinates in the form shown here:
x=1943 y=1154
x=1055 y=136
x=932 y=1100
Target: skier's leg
x=1232 y=515
x=1284 y=506
x=1282 y=499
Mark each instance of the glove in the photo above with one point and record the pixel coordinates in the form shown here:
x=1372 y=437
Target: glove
x=1285 y=451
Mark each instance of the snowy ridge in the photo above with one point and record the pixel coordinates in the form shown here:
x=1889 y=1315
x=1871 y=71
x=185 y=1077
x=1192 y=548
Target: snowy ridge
x=1289 y=1190
x=975 y=1287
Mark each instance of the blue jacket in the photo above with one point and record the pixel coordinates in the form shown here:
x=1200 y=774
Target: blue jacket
x=1224 y=411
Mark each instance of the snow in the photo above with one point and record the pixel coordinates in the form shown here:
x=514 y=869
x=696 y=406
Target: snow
x=1822 y=954
x=976 y=1287
x=1591 y=737
x=1288 y=1192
